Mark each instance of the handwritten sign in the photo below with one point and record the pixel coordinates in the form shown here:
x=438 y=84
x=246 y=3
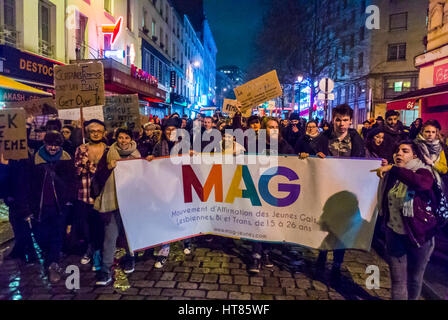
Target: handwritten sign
x=35 y=107
x=122 y=111
x=88 y=113
x=79 y=85
x=229 y=106
x=259 y=90
x=13 y=141
x=441 y=74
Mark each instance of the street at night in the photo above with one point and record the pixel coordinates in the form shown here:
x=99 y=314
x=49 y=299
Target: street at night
x=240 y=153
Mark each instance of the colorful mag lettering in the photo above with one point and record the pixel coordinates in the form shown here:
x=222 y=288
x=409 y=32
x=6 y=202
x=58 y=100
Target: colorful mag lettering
x=214 y=180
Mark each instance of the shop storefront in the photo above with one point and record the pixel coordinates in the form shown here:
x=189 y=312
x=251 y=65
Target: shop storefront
x=28 y=69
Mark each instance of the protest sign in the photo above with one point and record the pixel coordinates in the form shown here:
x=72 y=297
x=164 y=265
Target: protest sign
x=292 y=202
x=79 y=85
x=229 y=106
x=88 y=113
x=122 y=111
x=259 y=90
x=13 y=141
x=35 y=107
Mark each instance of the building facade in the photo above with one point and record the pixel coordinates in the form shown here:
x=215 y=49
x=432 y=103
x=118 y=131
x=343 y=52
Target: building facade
x=374 y=66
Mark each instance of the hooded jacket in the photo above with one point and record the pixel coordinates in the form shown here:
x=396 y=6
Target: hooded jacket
x=52 y=181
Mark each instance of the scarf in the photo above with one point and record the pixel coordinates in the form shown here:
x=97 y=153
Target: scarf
x=166 y=147
x=107 y=200
x=48 y=157
x=315 y=136
x=431 y=150
x=401 y=190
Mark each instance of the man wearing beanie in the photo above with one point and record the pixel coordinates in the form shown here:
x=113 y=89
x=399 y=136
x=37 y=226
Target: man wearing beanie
x=53 y=182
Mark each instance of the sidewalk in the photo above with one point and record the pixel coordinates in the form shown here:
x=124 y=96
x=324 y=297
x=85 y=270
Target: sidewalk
x=208 y=273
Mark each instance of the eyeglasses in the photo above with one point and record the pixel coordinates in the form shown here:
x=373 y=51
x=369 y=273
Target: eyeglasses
x=96 y=131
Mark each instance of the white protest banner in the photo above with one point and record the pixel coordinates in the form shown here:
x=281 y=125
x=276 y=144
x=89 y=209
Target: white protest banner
x=89 y=113
x=229 y=106
x=13 y=140
x=79 y=85
x=259 y=90
x=293 y=202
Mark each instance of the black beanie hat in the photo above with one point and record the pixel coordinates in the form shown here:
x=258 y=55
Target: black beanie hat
x=253 y=119
x=53 y=138
x=294 y=116
x=172 y=122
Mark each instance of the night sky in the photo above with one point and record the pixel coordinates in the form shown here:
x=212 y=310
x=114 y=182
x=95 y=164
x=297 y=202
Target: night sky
x=234 y=24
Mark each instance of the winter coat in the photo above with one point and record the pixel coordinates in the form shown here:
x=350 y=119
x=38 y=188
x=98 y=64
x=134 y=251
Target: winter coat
x=358 y=148
x=422 y=226
x=62 y=182
x=312 y=146
x=290 y=136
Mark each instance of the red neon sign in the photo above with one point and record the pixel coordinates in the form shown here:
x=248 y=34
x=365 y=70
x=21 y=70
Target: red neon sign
x=113 y=29
x=143 y=75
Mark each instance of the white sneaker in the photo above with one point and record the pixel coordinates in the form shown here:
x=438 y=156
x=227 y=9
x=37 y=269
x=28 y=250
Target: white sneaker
x=187 y=251
x=85 y=259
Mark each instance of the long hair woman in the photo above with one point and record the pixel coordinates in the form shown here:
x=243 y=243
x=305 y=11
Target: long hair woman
x=407 y=202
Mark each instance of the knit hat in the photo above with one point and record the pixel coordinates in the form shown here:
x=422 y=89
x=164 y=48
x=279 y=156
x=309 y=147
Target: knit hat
x=173 y=122
x=88 y=123
x=294 y=116
x=150 y=126
x=53 y=138
x=253 y=119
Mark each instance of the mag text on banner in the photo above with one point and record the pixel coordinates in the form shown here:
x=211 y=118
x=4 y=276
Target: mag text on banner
x=310 y=202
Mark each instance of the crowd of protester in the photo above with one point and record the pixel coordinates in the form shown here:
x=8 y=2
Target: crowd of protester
x=65 y=195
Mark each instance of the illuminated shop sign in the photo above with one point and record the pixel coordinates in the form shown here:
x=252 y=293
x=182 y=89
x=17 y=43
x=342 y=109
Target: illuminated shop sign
x=113 y=29
x=143 y=76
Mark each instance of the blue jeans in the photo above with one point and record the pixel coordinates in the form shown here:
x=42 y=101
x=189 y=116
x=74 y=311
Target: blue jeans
x=407 y=265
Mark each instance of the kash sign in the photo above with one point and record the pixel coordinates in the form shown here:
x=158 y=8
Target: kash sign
x=259 y=90
x=122 y=111
x=36 y=107
x=289 y=202
x=230 y=107
x=79 y=85
x=13 y=142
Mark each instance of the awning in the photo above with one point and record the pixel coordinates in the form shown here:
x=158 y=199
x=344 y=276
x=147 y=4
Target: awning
x=435 y=96
x=9 y=84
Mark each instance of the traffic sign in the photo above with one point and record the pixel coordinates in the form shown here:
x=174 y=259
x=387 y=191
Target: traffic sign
x=326 y=85
x=321 y=96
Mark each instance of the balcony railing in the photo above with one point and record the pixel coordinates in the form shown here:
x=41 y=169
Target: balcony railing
x=9 y=36
x=46 y=48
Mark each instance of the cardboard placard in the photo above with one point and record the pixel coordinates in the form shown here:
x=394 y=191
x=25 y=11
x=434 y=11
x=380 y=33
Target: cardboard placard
x=79 y=85
x=88 y=113
x=13 y=140
x=122 y=111
x=35 y=107
x=229 y=106
x=259 y=90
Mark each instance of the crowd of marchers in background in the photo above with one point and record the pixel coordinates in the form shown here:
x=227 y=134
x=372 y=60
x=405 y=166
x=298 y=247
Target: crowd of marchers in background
x=64 y=193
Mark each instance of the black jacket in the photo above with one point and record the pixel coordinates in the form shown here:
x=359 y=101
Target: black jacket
x=312 y=146
x=290 y=136
x=62 y=179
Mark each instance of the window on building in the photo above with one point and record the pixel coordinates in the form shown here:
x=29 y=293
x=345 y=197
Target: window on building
x=352 y=40
x=152 y=69
x=396 y=52
x=361 y=33
x=108 y=5
x=166 y=42
x=400 y=86
x=343 y=47
x=45 y=43
x=144 y=18
x=153 y=28
x=81 y=44
x=343 y=70
x=129 y=14
x=160 y=72
x=361 y=60
x=9 y=11
x=128 y=55
x=166 y=13
x=398 y=21
x=350 y=66
x=161 y=35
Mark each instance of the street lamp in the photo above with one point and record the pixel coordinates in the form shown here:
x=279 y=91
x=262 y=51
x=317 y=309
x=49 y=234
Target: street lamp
x=196 y=64
x=300 y=79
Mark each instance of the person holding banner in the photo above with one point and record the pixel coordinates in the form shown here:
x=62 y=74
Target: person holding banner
x=52 y=191
x=163 y=149
x=107 y=204
x=311 y=143
x=407 y=202
x=87 y=222
x=341 y=141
